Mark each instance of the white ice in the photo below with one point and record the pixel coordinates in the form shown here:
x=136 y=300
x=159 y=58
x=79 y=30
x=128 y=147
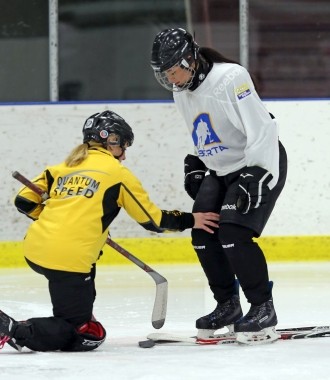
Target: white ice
x=124 y=305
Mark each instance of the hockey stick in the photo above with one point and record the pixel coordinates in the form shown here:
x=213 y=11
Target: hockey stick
x=44 y=195
x=160 y=303
x=293 y=333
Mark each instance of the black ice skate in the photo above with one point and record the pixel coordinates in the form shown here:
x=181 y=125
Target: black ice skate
x=7 y=328
x=224 y=315
x=258 y=325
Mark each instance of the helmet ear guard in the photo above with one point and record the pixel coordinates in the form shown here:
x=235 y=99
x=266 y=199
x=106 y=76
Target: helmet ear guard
x=100 y=126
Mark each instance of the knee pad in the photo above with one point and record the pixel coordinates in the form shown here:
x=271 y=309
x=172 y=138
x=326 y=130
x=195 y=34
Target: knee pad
x=233 y=233
x=89 y=336
x=201 y=237
x=93 y=328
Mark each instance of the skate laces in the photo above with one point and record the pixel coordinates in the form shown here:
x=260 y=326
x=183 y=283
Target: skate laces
x=223 y=308
x=3 y=340
x=256 y=312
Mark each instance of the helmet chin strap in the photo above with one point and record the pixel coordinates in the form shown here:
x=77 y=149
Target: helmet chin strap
x=201 y=71
x=122 y=151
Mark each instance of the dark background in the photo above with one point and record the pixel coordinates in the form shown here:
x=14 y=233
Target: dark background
x=104 y=46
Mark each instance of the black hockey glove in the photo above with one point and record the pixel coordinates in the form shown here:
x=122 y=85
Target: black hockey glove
x=253 y=189
x=194 y=171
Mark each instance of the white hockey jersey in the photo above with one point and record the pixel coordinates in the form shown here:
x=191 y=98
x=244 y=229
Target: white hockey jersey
x=229 y=124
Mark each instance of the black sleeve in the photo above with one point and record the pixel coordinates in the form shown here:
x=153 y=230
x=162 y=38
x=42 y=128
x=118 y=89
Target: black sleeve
x=177 y=220
x=25 y=206
x=172 y=221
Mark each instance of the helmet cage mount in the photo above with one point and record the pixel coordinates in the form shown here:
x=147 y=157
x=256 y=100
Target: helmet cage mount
x=108 y=128
x=162 y=79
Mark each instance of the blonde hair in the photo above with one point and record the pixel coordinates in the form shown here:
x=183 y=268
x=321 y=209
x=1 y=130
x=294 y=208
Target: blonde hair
x=79 y=154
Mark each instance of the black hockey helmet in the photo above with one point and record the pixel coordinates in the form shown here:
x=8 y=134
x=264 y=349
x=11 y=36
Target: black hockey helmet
x=173 y=47
x=100 y=126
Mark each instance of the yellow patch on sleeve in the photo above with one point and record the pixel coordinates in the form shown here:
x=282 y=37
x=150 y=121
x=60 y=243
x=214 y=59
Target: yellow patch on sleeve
x=242 y=91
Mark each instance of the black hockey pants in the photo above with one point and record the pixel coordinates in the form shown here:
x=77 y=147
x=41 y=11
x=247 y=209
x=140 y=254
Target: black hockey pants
x=231 y=251
x=72 y=295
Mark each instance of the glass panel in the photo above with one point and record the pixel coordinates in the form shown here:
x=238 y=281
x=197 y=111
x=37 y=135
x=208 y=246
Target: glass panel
x=105 y=47
x=216 y=24
x=290 y=47
x=289 y=42
x=24 y=50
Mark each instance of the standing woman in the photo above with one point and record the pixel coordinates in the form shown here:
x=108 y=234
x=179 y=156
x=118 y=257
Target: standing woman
x=86 y=193
x=236 y=144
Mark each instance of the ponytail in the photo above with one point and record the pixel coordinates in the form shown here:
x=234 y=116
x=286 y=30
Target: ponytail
x=214 y=56
x=79 y=154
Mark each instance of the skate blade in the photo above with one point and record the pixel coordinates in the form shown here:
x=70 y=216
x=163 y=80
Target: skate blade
x=205 y=334
x=13 y=344
x=267 y=335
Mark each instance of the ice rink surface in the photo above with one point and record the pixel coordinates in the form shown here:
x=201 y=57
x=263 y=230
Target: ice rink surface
x=124 y=306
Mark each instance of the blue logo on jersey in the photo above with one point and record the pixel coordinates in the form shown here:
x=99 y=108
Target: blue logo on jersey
x=204 y=136
x=203 y=133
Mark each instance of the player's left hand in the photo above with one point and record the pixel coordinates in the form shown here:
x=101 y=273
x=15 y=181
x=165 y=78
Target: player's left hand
x=252 y=191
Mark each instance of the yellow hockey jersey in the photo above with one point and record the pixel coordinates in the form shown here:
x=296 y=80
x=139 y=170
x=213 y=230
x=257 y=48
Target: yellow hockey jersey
x=71 y=227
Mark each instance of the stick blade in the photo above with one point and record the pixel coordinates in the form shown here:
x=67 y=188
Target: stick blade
x=158 y=324
x=146 y=343
x=160 y=305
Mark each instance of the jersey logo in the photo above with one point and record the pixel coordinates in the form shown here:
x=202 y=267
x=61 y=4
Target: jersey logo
x=205 y=139
x=76 y=184
x=203 y=133
x=242 y=91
